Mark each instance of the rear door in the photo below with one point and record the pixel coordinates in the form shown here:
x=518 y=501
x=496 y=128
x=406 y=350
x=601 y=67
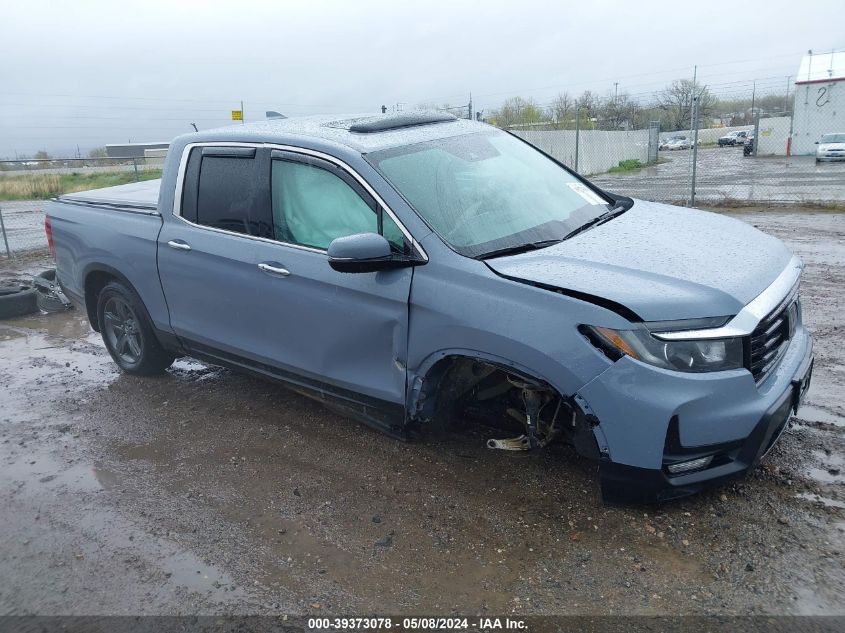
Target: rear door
x=207 y=258
x=246 y=275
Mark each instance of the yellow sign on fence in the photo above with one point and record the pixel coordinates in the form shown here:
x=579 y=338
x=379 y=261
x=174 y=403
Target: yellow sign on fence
x=237 y=115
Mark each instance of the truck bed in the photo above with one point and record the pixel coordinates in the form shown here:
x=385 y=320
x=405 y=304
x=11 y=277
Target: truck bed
x=138 y=196
x=110 y=231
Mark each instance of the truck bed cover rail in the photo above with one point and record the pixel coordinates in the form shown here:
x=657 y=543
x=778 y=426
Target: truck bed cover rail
x=136 y=197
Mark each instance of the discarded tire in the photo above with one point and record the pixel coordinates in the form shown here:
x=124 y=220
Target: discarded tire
x=17 y=300
x=49 y=296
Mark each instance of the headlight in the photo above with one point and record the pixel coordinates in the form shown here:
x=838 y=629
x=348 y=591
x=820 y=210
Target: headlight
x=693 y=355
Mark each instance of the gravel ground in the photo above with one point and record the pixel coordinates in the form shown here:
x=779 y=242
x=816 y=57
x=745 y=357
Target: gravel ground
x=209 y=492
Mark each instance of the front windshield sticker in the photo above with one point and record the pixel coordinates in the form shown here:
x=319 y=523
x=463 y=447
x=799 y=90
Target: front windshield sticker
x=585 y=192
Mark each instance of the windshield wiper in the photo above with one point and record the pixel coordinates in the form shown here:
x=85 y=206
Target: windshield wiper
x=521 y=248
x=616 y=210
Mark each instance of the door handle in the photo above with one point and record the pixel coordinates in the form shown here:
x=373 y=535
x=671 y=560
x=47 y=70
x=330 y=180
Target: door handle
x=274 y=269
x=179 y=245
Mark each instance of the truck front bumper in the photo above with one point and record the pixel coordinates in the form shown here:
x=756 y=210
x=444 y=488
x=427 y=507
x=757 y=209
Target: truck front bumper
x=650 y=419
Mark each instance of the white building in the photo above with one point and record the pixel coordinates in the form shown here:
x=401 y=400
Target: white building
x=819 y=100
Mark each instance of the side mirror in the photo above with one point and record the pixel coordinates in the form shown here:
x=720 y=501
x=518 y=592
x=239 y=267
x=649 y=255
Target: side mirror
x=362 y=253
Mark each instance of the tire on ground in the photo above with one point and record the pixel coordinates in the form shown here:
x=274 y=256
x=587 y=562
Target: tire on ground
x=47 y=300
x=17 y=300
x=154 y=359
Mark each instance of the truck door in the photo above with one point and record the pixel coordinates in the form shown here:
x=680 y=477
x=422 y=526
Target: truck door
x=246 y=275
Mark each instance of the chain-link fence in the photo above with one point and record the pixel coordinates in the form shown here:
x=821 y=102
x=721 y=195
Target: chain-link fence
x=769 y=158
x=27 y=185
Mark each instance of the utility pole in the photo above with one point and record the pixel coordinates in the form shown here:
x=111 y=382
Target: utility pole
x=577 y=132
x=615 y=90
x=694 y=148
x=692 y=95
x=791 y=119
x=786 y=98
x=753 y=96
x=469 y=107
x=243 y=121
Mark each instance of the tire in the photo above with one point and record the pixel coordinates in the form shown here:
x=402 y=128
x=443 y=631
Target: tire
x=48 y=292
x=137 y=352
x=17 y=300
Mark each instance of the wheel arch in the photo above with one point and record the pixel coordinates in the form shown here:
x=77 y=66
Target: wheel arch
x=95 y=277
x=427 y=383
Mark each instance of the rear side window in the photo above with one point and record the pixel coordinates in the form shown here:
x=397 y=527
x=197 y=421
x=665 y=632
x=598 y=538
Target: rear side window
x=224 y=189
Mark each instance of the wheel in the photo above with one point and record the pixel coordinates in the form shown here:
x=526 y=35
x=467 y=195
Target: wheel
x=17 y=300
x=48 y=294
x=128 y=333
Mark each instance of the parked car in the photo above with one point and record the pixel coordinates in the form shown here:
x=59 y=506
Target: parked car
x=671 y=142
x=831 y=147
x=421 y=271
x=679 y=143
x=732 y=138
x=748 y=144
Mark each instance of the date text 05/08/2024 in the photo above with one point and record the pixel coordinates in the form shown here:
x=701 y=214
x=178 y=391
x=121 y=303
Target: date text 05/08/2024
x=422 y=623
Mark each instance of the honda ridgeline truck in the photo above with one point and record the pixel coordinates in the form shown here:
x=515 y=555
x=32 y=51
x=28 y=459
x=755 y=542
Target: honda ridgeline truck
x=419 y=271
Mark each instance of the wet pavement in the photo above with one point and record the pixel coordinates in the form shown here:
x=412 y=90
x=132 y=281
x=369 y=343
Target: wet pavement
x=724 y=175
x=205 y=491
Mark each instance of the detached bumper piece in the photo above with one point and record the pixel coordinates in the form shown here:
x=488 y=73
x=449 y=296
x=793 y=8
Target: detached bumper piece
x=689 y=470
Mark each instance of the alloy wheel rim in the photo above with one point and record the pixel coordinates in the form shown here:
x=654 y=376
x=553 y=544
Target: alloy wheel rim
x=122 y=330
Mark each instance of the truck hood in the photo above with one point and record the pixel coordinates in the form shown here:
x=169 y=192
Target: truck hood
x=660 y=262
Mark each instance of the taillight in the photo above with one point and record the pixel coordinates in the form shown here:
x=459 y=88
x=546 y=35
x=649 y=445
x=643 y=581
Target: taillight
x=48 y=229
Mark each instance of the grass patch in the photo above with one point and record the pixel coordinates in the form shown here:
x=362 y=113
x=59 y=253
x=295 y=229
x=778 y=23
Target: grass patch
x=631 y=164
x=44 y=186
x=754 y=206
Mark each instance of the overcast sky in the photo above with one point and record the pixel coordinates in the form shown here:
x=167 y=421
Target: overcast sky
x=91 y=73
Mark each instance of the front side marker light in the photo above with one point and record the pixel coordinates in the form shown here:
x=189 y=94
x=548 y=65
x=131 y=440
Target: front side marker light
x=693 y=464
x=613 y=337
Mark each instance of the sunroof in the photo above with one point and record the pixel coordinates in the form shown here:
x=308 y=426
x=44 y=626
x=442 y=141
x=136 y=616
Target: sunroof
x=401 y=120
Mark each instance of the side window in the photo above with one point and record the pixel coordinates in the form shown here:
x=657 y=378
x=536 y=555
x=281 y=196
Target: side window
x=313 y=205
x=229 y=192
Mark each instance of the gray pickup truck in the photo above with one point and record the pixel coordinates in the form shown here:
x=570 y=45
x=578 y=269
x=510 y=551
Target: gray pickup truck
x=420 y=271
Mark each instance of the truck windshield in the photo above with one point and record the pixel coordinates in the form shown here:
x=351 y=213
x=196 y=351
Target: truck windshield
x=489 y=192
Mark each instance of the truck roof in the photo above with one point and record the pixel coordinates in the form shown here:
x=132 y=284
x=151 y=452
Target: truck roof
x=361 y=132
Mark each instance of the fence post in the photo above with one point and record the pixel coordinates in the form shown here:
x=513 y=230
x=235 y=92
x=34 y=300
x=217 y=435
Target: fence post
x=577 y=134
x=135 y=166
x=653 y=141
x=756 y=142
x=694 y=149
x=3 y=231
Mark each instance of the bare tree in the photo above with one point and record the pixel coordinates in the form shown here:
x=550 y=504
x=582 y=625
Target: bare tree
x=589 y=104
x=561 y=109
x=619 y=112
x=517 y=111
x=676 y=100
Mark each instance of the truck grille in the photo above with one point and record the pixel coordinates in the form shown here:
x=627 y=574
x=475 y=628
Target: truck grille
x=770 y=338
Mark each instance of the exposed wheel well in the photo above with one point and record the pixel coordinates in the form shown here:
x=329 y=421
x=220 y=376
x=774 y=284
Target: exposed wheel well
x=458 y=389
x=456 y=378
